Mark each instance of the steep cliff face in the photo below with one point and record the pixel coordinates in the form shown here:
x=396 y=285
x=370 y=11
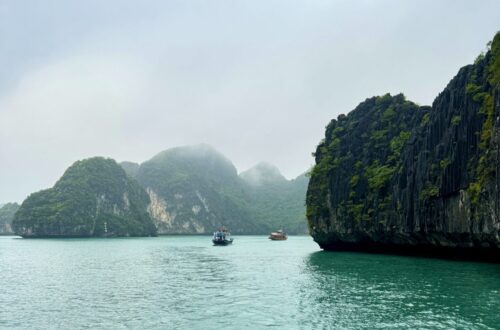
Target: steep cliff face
x=193 y=190
x=186 y=190
x=7 y=212
x=395 y=176
x=94 y=197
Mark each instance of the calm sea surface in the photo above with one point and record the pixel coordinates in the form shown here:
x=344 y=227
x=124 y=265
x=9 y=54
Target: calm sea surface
x=183 y=282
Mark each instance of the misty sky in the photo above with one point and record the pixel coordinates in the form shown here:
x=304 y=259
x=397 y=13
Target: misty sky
x=258 y=80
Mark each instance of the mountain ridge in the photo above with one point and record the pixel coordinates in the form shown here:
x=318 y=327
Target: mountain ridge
x=93 y=198
x=182 y=190
x=195 y=189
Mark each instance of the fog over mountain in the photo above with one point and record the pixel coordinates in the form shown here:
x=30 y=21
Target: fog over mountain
x=262 y=173
x=257 y=80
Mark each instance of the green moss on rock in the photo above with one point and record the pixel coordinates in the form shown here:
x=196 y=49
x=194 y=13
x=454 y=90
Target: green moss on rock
x=406 y=175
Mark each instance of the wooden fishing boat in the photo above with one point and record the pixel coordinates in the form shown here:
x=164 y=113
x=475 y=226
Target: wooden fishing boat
x=279 y=235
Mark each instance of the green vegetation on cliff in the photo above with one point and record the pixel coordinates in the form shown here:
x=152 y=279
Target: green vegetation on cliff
x=394 y=173
x=275 y=201
x=195 y=189
x=130 y=168
x=94 y=197
x=483 y=86
x=359 y=156
x=185 y=190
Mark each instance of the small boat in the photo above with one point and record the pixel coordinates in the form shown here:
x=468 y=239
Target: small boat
x=279 y=235
x=222 y=237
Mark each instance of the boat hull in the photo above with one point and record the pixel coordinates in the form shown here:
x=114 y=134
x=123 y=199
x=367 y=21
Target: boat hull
x=222 y=242
x=273 y=238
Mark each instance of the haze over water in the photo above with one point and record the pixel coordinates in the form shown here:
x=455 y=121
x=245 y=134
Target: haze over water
x=185 y=282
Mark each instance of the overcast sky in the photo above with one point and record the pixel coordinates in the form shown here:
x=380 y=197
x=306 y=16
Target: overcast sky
x=258 y=80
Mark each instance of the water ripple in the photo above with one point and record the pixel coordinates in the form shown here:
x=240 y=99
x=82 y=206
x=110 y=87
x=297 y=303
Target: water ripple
x=185 y=283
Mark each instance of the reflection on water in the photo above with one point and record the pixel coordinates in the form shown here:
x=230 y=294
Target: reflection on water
x=364 y=290
x=186 y=283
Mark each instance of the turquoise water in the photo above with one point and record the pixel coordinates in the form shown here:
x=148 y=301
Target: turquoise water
x=182 y=282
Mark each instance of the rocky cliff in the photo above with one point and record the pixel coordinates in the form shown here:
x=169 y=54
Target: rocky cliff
x=184 y=190
x=393 y=176
x=196 y=189
x=94 y=197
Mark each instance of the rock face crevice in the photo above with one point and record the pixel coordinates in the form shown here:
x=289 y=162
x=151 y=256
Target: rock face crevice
x=392 y=176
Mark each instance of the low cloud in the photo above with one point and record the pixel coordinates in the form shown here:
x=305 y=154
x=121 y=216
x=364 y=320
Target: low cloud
x=258 y=81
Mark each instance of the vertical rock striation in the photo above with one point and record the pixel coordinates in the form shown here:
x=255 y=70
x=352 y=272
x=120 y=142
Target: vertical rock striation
x=392 y=176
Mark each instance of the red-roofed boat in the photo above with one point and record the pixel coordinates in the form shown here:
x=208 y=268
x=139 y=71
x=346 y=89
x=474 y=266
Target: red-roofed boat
x=279 y=235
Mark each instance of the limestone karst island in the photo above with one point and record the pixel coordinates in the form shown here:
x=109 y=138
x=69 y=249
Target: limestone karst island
x=393 y=176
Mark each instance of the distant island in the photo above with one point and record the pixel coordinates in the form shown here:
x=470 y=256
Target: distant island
x=184 y=190
x=94 y=197
x=393 y=176
x=7 y=212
